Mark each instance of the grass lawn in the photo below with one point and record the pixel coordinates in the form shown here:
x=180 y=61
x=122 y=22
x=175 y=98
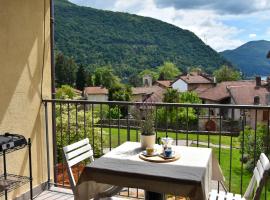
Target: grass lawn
x=120 y=136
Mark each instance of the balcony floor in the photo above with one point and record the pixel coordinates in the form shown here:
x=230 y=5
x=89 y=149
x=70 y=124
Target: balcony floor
x=66 y=194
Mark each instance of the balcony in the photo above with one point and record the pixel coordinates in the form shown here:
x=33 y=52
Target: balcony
x=227 y=129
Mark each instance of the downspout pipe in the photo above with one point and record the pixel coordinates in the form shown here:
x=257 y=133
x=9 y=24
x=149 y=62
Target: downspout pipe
x=53 y=90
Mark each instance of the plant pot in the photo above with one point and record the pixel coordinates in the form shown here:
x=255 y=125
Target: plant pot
x=148 y=141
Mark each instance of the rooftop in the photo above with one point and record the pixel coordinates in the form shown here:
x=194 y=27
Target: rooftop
x=95 y=90
x=165 y=83
x=242 y=91
x=193 y=78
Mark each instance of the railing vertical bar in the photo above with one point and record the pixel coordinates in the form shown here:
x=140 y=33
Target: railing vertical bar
x=128 y=126
x=177 y=125
x=255 y=138
x=101 y=128
x=93 y=128
x=84 y=120
x=76 y=122
x=68 y=107
x=76 y=132
x=47 y=146
x=267 y=150
x=118 y=109
x=208 y=138
x=219 y=136
x=187 y=126
x=110 y=128
x=230 y=176
x=156 y=122
x=166 y=118
x=197 y=114
x=61 y=135
x=242 y=149
x=219 y=139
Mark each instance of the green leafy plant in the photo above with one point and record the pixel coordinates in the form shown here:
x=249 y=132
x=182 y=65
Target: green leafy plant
x=144 y=115
x=250 y=148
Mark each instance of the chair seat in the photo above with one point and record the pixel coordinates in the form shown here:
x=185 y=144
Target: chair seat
x=215 y=195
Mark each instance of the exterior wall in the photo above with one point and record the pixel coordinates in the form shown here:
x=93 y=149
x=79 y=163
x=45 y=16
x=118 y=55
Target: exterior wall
x=180 y=85
x=25 y=49
x=97 y=97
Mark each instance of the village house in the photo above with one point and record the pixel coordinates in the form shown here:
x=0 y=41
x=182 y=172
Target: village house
x=246 y=92
x=164 y=83
x=95 y=93
x=194 y=81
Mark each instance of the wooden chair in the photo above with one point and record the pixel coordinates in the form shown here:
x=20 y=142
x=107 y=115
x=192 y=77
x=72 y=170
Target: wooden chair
x=78 y=152
x=258 y=179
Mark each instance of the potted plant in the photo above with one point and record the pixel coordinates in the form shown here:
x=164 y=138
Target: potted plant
x=144 y=115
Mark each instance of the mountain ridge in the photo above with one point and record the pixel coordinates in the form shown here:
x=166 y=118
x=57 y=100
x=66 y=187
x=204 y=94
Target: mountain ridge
x=128 y=42
x=250 y=57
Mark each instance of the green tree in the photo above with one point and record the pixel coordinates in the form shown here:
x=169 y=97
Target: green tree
x=81 y=77
x=120 y=92
x=189 y=97
x=171 y=96
x=250 y=148
x=135 y=80
x=65 y=92
x=89 y=80
x=104 y=76
x=168 y=71
x=226 y=73
x=65 y=70
x=150 y=72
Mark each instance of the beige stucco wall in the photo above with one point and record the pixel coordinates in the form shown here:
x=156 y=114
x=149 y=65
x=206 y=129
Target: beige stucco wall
x=23 y=46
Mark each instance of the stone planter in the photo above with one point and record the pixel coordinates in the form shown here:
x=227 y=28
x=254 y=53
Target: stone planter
x=148 y=141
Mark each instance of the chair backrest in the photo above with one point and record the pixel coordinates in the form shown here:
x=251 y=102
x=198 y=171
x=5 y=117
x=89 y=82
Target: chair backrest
x=259 y=178
x=75 y=153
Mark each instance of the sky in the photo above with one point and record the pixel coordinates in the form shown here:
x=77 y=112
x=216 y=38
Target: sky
x=221 y=24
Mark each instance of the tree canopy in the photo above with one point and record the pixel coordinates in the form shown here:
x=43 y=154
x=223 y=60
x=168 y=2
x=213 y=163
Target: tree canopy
x=65 y=70
x=168 y=71
x=225 y=73
x=104 y=76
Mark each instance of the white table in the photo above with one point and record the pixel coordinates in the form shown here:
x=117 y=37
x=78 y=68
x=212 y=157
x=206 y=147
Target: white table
x=189 y=176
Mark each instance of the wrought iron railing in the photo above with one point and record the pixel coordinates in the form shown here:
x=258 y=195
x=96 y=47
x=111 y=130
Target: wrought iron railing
x=236 y=133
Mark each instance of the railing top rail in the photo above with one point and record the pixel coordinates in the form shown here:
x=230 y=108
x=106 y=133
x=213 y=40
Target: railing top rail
x=159 y=104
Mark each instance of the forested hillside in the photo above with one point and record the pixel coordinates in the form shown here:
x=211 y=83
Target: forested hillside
x=250 y=58
x=129 y=43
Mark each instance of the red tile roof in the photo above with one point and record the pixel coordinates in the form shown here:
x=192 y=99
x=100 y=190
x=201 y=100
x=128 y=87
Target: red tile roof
x=244 y=95
x=220 y=91
x=195 y=78
x=165 y=83
x=241 y=92
x=95 y=90
x=155 y=93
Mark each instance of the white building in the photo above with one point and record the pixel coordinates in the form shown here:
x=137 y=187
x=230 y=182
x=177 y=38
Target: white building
x=96 y=93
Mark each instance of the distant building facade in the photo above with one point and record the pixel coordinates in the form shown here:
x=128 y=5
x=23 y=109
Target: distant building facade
x=95 y=93
x=194 y=81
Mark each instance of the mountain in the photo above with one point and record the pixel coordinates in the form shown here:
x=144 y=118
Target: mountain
x=250 y=58
x=129 y=43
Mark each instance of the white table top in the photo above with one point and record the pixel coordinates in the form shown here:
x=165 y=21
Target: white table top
x=190 y=167
x=189 y=176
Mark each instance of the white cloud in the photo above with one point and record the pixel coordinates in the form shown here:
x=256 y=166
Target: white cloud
x=204 y=23
x=252 y=35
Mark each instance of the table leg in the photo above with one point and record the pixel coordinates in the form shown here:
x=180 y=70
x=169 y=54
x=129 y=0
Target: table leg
x=153 y=196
